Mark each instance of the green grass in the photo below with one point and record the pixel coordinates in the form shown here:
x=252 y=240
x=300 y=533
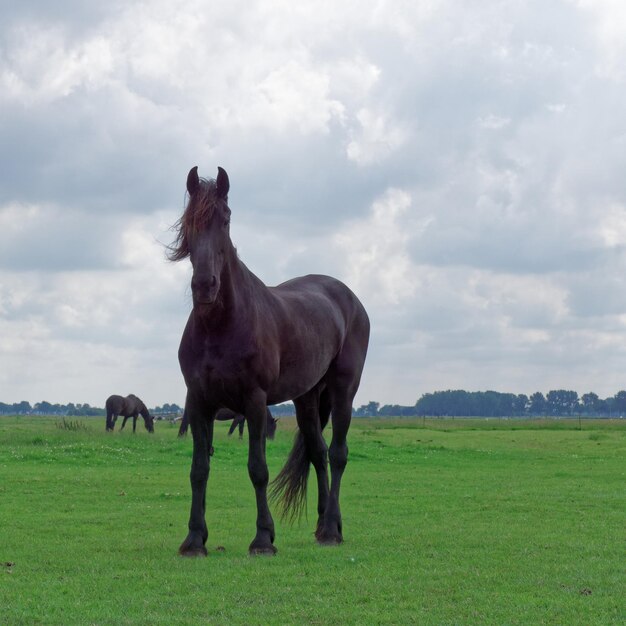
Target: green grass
x=445 y=522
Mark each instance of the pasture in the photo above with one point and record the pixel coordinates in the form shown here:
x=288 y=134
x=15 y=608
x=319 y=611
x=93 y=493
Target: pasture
x=445 y=522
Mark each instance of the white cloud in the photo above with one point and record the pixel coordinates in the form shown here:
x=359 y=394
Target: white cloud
x=494 y=122
x=374 y=250
x=609 y=27
x=374 y=139
x=295 y=97
x=42 y=67
x=612 y=226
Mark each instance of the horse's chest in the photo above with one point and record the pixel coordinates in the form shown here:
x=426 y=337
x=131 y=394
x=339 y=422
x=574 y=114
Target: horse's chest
x=227 y=364
x=219 y=372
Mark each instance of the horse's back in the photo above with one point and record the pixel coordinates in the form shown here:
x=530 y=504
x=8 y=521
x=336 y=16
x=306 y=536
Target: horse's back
x=134 y=404
x=315 y=284
x=321 y=295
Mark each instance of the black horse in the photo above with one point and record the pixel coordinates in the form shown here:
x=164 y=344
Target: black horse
x=239 y=421
x=130 y=406
x=245 y=346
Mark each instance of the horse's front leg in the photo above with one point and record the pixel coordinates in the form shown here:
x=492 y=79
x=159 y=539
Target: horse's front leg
x=202 y=431
x=263 y=543
x=134 y=423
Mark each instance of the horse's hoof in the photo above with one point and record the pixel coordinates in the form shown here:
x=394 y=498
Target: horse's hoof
x=192 y=552
x=328 y=538
x=262 y=550
x=192 y=547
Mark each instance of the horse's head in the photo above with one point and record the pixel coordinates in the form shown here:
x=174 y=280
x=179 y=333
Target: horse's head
x=148 y=421
x=203 y=235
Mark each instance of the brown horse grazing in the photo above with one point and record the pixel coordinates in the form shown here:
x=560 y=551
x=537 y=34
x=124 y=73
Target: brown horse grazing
x=239 y=421
x=130 y=406
x=245 y=346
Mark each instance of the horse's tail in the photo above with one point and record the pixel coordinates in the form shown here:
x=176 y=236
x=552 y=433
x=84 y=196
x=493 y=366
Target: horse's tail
x=289 y=487
x=184 y=423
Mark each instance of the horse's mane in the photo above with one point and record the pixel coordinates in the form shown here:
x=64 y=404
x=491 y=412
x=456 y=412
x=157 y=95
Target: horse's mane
x=196 y=216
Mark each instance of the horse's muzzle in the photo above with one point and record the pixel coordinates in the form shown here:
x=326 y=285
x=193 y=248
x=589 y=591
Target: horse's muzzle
x=204 y=290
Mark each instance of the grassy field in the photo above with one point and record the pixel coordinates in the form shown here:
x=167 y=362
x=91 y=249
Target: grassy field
x=445 y=522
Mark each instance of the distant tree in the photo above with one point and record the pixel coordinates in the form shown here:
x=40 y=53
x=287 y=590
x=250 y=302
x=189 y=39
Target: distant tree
x=45 y=408
x=608 y=406
x=367 y=410
x=465 y=403
x=427 y=405
x=521 y=404
x=166 y=409
x=86 y=409
x=619 y=402
x=396 y=410
x=537 y=404
x=590 y=403
x=22 y=407
x=562 y=402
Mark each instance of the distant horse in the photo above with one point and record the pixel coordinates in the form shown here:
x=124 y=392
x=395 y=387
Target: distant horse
x=245 y=346
x=130 y=406
x=239 y=421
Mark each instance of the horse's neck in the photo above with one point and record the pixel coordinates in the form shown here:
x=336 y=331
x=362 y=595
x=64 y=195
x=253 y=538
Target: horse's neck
x=239 y=294
x=247 y=287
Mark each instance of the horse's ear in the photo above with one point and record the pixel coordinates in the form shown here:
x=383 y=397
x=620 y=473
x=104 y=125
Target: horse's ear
x=222 y=183
x=193 y=182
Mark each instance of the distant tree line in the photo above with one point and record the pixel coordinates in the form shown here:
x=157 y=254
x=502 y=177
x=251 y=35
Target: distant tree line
x=46 y=408
x=460 y=403
x=167 y=409
x=451 y=403
x=71 y=409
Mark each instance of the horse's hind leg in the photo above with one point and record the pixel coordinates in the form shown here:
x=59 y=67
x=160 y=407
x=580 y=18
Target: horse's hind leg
x=343 y=381
x=312 y=410
x=329 y=528
x=323 y=493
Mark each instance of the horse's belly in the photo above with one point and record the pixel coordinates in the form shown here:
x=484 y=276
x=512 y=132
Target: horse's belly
x=296 y=378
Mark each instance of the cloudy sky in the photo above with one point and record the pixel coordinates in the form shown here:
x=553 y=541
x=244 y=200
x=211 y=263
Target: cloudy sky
x=460 y=165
